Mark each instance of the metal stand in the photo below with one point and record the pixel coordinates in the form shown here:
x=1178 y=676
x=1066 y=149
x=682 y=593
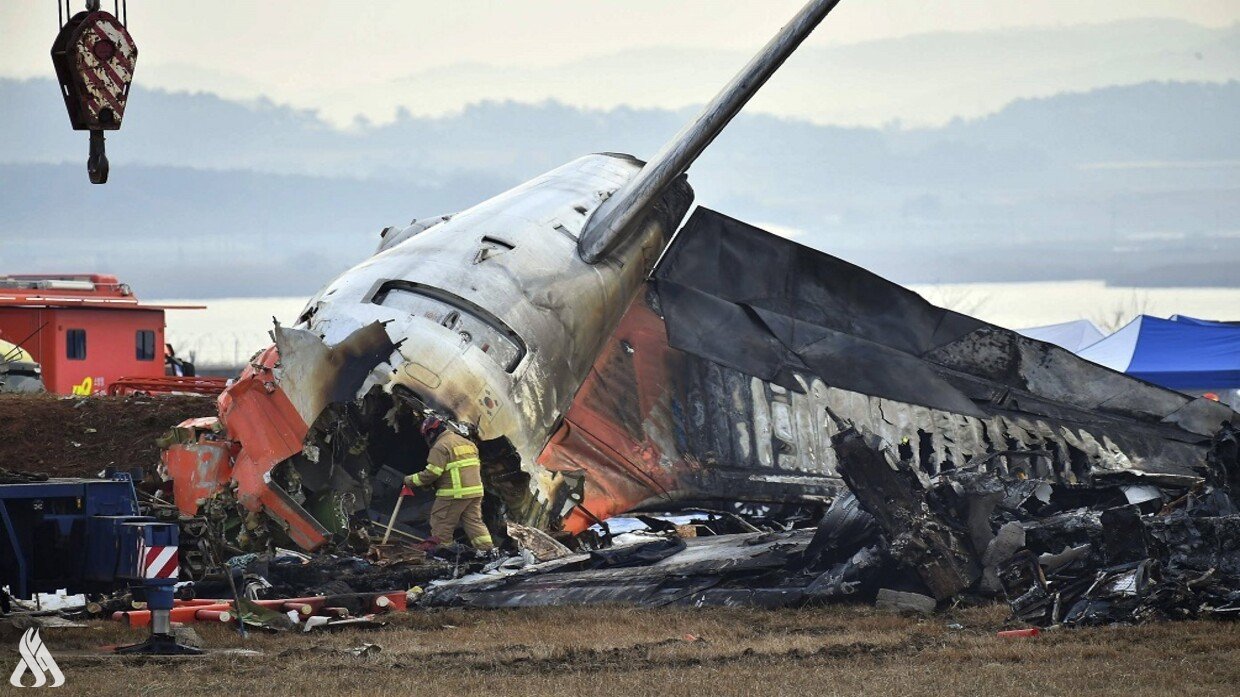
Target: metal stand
x=161 y=642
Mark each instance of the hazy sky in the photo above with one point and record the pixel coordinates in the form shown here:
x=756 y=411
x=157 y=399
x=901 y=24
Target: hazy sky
x=284 y=45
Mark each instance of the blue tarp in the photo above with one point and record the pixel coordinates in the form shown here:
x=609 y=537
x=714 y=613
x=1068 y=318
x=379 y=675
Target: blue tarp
x=1178 y=354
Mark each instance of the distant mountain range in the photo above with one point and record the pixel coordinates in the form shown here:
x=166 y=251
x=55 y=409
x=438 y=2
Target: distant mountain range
x=209 y=197
x=921 y=80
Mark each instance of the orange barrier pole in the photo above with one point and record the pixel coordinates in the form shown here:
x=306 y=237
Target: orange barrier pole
x=200 y=608
x=142 y=618
x=390 y=602
x=303 y=609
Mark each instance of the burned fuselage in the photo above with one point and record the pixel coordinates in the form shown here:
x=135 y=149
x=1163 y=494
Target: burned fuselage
x=489 y=316
x=746 y=353
x=497 y=319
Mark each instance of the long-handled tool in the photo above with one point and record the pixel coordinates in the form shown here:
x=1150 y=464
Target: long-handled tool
x=404 y=491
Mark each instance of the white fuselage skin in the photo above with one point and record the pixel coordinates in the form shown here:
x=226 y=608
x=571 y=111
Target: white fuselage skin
x=561 y=308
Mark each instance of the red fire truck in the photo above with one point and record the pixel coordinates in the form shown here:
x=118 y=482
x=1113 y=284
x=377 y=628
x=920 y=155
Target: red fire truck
x=86 y=330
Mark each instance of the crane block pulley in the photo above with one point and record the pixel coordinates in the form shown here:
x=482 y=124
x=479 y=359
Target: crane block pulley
x=94 y=57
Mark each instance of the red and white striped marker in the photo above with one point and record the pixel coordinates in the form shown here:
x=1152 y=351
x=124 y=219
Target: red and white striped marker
x=160 y=562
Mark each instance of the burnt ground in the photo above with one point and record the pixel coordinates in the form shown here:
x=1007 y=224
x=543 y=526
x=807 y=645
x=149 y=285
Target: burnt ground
x=575 y=651
x=79 y=436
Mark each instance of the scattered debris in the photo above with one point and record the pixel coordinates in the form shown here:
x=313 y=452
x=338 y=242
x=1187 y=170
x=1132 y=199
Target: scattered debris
x=186 y=636
x=899 y=601
x=1117 y=547
x=364 y=650
x=43 y=621
x=539 y=545
x=364 y=622
x=1019 y=633
x=896 y=497
x=1102 y=547
x=738 y=569
x=281 y=614
x=264 y=616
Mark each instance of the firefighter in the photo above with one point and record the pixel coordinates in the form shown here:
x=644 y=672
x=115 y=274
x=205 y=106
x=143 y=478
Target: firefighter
x=453 y=468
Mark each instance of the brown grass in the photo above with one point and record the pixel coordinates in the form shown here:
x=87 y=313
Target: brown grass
x=618 y=651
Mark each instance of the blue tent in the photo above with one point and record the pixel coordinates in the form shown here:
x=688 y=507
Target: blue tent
x=1176 y=354
x=1202 y=322
x=1073 y=336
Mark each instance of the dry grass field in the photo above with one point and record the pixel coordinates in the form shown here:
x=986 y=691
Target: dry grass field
x=620 y=651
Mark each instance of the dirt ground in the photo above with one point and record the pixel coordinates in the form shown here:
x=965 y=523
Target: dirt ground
x=840 y=650
x=80 y=436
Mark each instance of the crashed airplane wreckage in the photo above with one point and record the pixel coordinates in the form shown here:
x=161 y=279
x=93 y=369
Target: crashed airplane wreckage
x=606 y=363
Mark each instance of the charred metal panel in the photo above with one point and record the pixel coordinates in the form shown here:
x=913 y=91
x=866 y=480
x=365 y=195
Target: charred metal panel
x=652 y=426
x=677 y=573
x=314 y=375
x=950 y=388
x=896 y=496
x=770 y=307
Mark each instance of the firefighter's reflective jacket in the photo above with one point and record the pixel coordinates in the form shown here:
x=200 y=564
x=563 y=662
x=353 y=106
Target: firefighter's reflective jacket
x=453 y=467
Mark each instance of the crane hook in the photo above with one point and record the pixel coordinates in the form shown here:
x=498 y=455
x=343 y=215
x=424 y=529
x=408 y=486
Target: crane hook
x=97 y=160
x=94 y=56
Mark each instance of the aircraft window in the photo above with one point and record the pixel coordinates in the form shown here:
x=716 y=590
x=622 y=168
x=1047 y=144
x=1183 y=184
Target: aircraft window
x=472 y=324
